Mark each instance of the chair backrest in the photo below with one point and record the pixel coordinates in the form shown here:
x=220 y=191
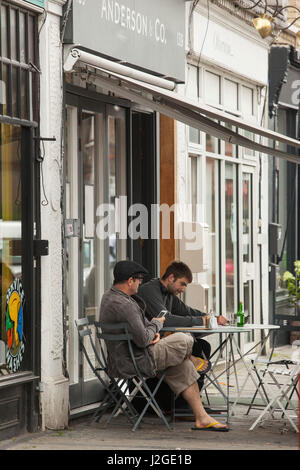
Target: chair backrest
x=84 y=330
x=106 y=331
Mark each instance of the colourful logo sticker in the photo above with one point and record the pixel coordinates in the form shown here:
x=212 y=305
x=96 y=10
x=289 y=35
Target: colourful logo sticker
x=14 y=325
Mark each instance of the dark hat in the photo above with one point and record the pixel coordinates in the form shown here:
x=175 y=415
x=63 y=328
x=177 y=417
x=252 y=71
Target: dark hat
x=123 y=270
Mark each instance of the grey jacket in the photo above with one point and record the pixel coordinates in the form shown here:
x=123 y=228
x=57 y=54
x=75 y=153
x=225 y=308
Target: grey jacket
x=116 y=307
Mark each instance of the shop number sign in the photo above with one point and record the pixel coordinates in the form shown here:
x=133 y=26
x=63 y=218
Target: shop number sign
x=14 y=326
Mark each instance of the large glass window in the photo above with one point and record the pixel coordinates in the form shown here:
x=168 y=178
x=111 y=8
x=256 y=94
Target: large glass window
x=11 y=313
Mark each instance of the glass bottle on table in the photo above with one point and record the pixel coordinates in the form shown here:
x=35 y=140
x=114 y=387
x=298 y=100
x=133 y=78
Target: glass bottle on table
x=240 y=315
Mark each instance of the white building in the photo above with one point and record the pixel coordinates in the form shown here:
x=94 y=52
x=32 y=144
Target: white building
x=229 y=183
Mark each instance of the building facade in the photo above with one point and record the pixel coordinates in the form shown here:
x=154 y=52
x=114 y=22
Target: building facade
x=88 y=159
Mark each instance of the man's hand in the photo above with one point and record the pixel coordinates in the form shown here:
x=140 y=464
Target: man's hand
x=161 y=319
x=156 y=339
x=221 y=320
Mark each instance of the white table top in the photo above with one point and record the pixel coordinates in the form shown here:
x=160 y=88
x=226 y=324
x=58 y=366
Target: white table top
x=222 y=329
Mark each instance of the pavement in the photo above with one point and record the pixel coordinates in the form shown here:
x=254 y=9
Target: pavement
x=154 y=437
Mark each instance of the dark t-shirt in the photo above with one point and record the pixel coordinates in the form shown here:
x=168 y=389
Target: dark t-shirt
x=158 y=298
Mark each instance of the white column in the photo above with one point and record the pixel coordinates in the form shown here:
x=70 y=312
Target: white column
x=55 y=388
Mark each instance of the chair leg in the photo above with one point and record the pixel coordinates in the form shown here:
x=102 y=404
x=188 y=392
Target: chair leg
x=149 y=400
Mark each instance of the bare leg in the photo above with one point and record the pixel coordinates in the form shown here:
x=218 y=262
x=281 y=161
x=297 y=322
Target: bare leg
x=202 y=419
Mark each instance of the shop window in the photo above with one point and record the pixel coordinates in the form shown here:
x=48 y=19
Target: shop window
x=18 y=62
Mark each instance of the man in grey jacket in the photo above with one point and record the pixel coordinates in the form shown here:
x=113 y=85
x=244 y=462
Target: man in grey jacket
x=153 y=354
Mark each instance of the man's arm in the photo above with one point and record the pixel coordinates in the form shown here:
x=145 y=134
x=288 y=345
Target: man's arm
x=142 y=330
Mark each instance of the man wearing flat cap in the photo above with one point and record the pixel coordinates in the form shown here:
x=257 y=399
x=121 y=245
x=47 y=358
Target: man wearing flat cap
x=153 y=354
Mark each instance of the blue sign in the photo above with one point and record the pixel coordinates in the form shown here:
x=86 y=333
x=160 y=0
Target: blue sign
x=39 y=3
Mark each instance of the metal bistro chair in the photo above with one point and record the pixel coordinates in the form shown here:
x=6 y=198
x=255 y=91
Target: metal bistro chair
x=105 y=332
x=279 y=384
x=114 y=397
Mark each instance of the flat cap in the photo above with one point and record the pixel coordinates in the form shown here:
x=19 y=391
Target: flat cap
x=123 y=270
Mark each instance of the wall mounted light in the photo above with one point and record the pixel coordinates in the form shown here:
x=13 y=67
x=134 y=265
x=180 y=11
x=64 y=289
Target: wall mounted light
x=264 y=24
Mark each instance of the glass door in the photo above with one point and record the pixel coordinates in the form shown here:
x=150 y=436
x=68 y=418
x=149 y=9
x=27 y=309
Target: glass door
x=95 y=178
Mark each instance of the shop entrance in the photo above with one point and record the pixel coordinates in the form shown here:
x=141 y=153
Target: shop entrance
x=95 y=178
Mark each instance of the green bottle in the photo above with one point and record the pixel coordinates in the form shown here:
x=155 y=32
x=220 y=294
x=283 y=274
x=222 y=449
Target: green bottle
x=240 y=315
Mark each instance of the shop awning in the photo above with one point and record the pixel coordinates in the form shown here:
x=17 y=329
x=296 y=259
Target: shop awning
x=194 y=114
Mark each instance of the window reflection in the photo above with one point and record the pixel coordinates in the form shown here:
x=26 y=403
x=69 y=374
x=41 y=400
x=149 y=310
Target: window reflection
x=231 y=237
x=10 y=229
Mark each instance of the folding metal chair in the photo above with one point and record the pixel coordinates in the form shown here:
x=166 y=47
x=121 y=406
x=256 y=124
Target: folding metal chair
x=282 y=380
x=105 y=331
x=115 y=396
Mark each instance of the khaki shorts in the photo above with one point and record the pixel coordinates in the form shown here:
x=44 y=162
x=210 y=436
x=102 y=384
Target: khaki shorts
x=172 y=353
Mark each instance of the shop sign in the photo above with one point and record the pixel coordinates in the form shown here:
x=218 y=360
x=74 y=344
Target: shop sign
x=14 y=326
x=146 y=34
x=39 y=3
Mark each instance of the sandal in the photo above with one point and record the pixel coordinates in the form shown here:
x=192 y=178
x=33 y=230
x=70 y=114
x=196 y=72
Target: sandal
x=210 y=427
x=201 y=369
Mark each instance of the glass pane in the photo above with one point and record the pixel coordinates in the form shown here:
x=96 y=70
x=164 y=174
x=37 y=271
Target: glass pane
x=87 y=145
x=88 y=156
x=230 y=95
x=212 y=88
x=247 y=246
x=212 y=219
x=250 y=136
x=14 y=93
x=4 y=89
x=247 y=101
x=112 y=187
x=24 y=94
x=194 y=187
x=22 y=37
x=194 y=135
x=13 y=34
x=4 y=41
x=31 y=39
x=212 y=144
x=12 y=314
x=231 y=237
x=230 y=149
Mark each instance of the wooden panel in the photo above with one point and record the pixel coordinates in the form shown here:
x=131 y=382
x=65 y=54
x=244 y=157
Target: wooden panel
x=12 y=411
x=168 y=247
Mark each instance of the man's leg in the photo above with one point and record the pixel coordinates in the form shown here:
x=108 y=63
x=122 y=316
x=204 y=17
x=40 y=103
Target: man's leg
x=174 y=354
x=202 y=419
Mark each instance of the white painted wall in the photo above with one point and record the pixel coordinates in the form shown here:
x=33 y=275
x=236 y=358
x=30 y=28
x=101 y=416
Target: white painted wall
x=54 y=396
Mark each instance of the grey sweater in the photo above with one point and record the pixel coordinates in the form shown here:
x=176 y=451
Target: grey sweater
x=117 y=307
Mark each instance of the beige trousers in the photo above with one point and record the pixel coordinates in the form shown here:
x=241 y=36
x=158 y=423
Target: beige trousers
x=173 y=353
